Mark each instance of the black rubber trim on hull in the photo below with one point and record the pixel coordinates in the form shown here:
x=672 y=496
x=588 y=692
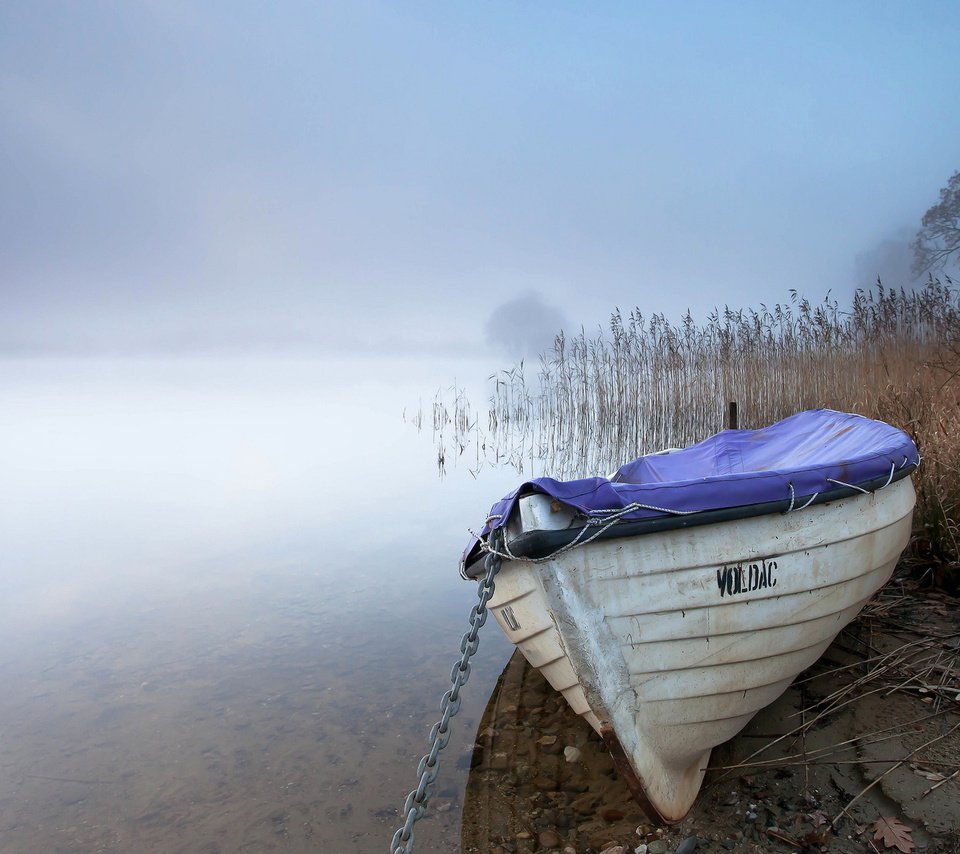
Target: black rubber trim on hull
x=538 y=544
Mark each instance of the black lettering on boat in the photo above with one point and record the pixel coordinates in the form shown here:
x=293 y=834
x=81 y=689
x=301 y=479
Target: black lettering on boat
x=509 y=618
x=735 y=578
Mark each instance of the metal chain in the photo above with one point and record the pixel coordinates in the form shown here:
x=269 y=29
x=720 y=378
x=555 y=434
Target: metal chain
x=416 y=804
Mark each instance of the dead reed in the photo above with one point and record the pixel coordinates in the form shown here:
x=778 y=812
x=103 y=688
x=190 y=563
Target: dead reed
x=644 y=384
x=903 y=643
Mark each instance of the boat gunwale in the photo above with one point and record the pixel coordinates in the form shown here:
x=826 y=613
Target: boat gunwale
x=539 y=544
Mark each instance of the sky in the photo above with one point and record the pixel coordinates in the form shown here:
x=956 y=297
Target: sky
x=399 y=178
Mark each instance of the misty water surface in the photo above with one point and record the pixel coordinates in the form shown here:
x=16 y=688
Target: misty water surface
x=228 y=604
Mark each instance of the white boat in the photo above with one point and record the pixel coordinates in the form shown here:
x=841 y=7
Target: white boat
x=668 y=632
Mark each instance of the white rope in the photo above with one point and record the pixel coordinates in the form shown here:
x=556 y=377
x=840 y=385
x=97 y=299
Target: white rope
x=849 y=485
x=636 y=505
x=890 y=479
x=613 y=515
x=793 y=499
x=509 y=555
x=610 y=516
x=576 y=541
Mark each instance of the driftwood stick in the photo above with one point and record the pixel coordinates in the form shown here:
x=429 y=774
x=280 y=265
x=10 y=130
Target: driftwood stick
x=775 y=763
x=823 y=752
x=939 y=784
x=784 y=838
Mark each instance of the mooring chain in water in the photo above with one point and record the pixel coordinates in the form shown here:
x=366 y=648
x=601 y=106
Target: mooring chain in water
x=416 y=804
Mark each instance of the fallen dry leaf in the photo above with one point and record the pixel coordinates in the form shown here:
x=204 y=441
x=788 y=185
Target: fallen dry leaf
x=932 y=776
x=893 y=834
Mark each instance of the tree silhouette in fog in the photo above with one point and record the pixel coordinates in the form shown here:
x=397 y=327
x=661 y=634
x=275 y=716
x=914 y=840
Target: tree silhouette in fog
x=938 y=240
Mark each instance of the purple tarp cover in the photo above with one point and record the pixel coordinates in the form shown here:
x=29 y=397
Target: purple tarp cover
x=735 y=468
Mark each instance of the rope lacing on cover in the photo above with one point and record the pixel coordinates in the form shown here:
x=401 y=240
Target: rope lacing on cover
x=607 y=519
x=893 y=468
x=604 y=519
x=793 y=496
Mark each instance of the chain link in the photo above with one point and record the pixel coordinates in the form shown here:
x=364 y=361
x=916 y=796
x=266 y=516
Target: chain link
x=416 y=803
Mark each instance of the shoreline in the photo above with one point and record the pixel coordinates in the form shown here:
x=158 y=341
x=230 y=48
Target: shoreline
x=871 y=730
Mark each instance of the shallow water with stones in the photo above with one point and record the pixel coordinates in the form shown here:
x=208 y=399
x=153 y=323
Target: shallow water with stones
x=229 y=605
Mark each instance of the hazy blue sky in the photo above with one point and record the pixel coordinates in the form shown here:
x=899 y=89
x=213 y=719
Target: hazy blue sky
x=346 y=176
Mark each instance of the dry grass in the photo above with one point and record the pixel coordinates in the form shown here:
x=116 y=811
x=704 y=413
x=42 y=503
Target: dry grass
x=903 y=643
x=645 y=383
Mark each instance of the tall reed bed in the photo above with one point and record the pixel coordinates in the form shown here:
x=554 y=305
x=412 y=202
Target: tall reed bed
x=646 y=383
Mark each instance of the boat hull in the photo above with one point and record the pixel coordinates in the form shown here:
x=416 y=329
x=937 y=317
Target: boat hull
x=669 y=643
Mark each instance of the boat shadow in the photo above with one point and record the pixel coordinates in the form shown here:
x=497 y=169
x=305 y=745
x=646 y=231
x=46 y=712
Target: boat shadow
x=540 y=777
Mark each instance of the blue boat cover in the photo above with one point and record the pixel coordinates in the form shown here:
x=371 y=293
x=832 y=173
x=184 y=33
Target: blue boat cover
x=734 y=468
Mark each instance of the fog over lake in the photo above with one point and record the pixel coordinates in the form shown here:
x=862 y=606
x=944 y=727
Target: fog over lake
x=229 y=591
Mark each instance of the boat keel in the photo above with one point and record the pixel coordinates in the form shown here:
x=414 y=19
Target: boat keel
x=625 y=770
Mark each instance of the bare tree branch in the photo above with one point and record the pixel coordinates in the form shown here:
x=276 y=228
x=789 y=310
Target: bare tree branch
x=938 y=239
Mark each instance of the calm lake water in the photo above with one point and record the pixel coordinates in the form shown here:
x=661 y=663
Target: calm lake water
x=229 y=604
